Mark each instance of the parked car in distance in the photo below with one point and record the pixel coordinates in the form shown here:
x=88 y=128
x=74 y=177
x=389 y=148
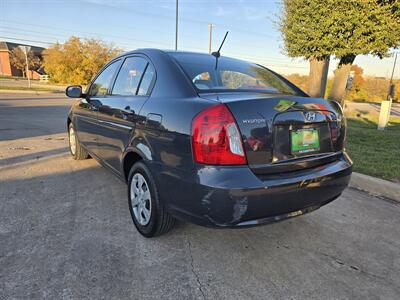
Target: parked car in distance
x=212 y=140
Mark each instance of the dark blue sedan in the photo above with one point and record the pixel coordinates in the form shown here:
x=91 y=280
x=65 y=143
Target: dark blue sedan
x=212 y=140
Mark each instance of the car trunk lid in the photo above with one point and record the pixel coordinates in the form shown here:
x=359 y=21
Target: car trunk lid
x=285 y=133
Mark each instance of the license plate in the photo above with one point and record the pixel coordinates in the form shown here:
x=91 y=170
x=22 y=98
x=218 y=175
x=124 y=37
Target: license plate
x=304 y=140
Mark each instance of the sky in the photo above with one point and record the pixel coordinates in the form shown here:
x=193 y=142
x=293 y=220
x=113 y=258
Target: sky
x=131 y=24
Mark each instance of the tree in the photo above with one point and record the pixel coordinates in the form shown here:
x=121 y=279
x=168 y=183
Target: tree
x=316 y=29
x=18 y=60
x=367 y=27
x=306 y=29
x=77 y=61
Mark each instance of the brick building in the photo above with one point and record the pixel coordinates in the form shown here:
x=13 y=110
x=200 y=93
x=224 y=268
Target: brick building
x=6 y=69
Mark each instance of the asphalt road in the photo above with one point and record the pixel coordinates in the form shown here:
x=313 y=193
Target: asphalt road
x=363 y=108
x=66 y=233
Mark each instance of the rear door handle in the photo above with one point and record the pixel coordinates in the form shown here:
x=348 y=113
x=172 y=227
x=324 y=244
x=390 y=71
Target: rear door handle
x=153 y=120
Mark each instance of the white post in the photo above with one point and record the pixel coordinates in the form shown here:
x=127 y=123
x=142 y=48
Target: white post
x=384 y=115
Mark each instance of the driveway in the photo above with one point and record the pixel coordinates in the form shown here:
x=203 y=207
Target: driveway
x=66 y=232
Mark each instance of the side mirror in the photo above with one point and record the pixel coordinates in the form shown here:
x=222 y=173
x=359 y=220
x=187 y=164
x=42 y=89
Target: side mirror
x=74 y=91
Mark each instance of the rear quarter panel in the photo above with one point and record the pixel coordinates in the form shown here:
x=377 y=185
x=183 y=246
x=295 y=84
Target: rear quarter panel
x=169 y=145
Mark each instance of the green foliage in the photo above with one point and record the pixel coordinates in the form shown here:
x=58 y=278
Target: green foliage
x=18 y=60
x=305 y=25
x=77 y=61
x=344 y=28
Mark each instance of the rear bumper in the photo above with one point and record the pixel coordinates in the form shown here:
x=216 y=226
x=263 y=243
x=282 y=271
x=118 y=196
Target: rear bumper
x=234 y=196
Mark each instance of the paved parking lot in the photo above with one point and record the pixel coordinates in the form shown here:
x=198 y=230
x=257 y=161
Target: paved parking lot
x=66 y=232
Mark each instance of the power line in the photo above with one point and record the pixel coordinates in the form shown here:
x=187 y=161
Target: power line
x=50 y=43
x=25 y=40
x=172 y=18
x=98 y=34
x=95 y=33
x=243 y=55
x=266 y=61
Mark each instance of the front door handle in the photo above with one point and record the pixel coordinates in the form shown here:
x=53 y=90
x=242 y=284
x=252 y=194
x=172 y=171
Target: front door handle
x=127 y=113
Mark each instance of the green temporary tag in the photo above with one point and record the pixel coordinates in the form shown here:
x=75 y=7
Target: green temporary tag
x=304 y=140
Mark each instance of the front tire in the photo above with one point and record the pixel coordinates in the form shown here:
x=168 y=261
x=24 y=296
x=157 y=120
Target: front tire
x=75 y=147
x=148 y=213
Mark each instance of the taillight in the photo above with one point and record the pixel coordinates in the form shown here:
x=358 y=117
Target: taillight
x=216 y=138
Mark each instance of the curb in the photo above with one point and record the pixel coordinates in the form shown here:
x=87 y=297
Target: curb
x=16 y=91
x=375 y=186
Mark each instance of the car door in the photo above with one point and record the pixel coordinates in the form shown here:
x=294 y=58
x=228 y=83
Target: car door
x=119 y=112
x=86 y=124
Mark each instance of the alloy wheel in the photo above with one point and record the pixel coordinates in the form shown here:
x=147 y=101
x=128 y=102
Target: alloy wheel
x=140 y=199
x=72 y=140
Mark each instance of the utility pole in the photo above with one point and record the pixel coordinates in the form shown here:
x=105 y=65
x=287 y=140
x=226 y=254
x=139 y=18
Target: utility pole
x=27 y=65
x=176 y=26
x=210 y=27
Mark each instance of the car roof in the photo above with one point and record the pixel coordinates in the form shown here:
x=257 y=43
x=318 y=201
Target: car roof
x=155 y=52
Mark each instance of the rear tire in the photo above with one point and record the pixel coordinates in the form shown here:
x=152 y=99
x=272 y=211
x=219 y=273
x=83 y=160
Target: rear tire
x=147 y=211
x=75 y=147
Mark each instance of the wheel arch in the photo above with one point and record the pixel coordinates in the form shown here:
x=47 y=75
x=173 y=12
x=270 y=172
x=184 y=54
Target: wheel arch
x=129 y=159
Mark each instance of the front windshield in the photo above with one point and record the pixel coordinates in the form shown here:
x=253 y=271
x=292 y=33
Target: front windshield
x=230 y=75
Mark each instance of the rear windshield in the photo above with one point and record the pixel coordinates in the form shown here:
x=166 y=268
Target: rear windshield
x=230 y=75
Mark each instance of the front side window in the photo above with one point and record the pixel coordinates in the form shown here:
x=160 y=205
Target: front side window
x=101 y=85
x=231 y=75
x=130 y=76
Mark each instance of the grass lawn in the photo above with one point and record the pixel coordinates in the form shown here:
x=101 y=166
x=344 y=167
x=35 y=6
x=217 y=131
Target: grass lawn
x=374 y=152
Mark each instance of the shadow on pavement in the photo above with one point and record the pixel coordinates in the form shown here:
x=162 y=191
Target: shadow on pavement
x=32 y=156
x=30 y=121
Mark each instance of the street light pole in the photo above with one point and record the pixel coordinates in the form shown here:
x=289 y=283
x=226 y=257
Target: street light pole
x=27 y=66
x=210 y=27
x=176 y=26
x=390 y=96
x=386 y=105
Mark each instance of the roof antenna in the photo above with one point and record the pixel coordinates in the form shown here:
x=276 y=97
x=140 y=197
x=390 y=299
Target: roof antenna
x=218 y=53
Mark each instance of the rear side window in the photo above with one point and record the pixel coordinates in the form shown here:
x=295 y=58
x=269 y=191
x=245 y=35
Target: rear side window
x=202 y=81
x=130 y=76
x=101 y=85
x=148 y=78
